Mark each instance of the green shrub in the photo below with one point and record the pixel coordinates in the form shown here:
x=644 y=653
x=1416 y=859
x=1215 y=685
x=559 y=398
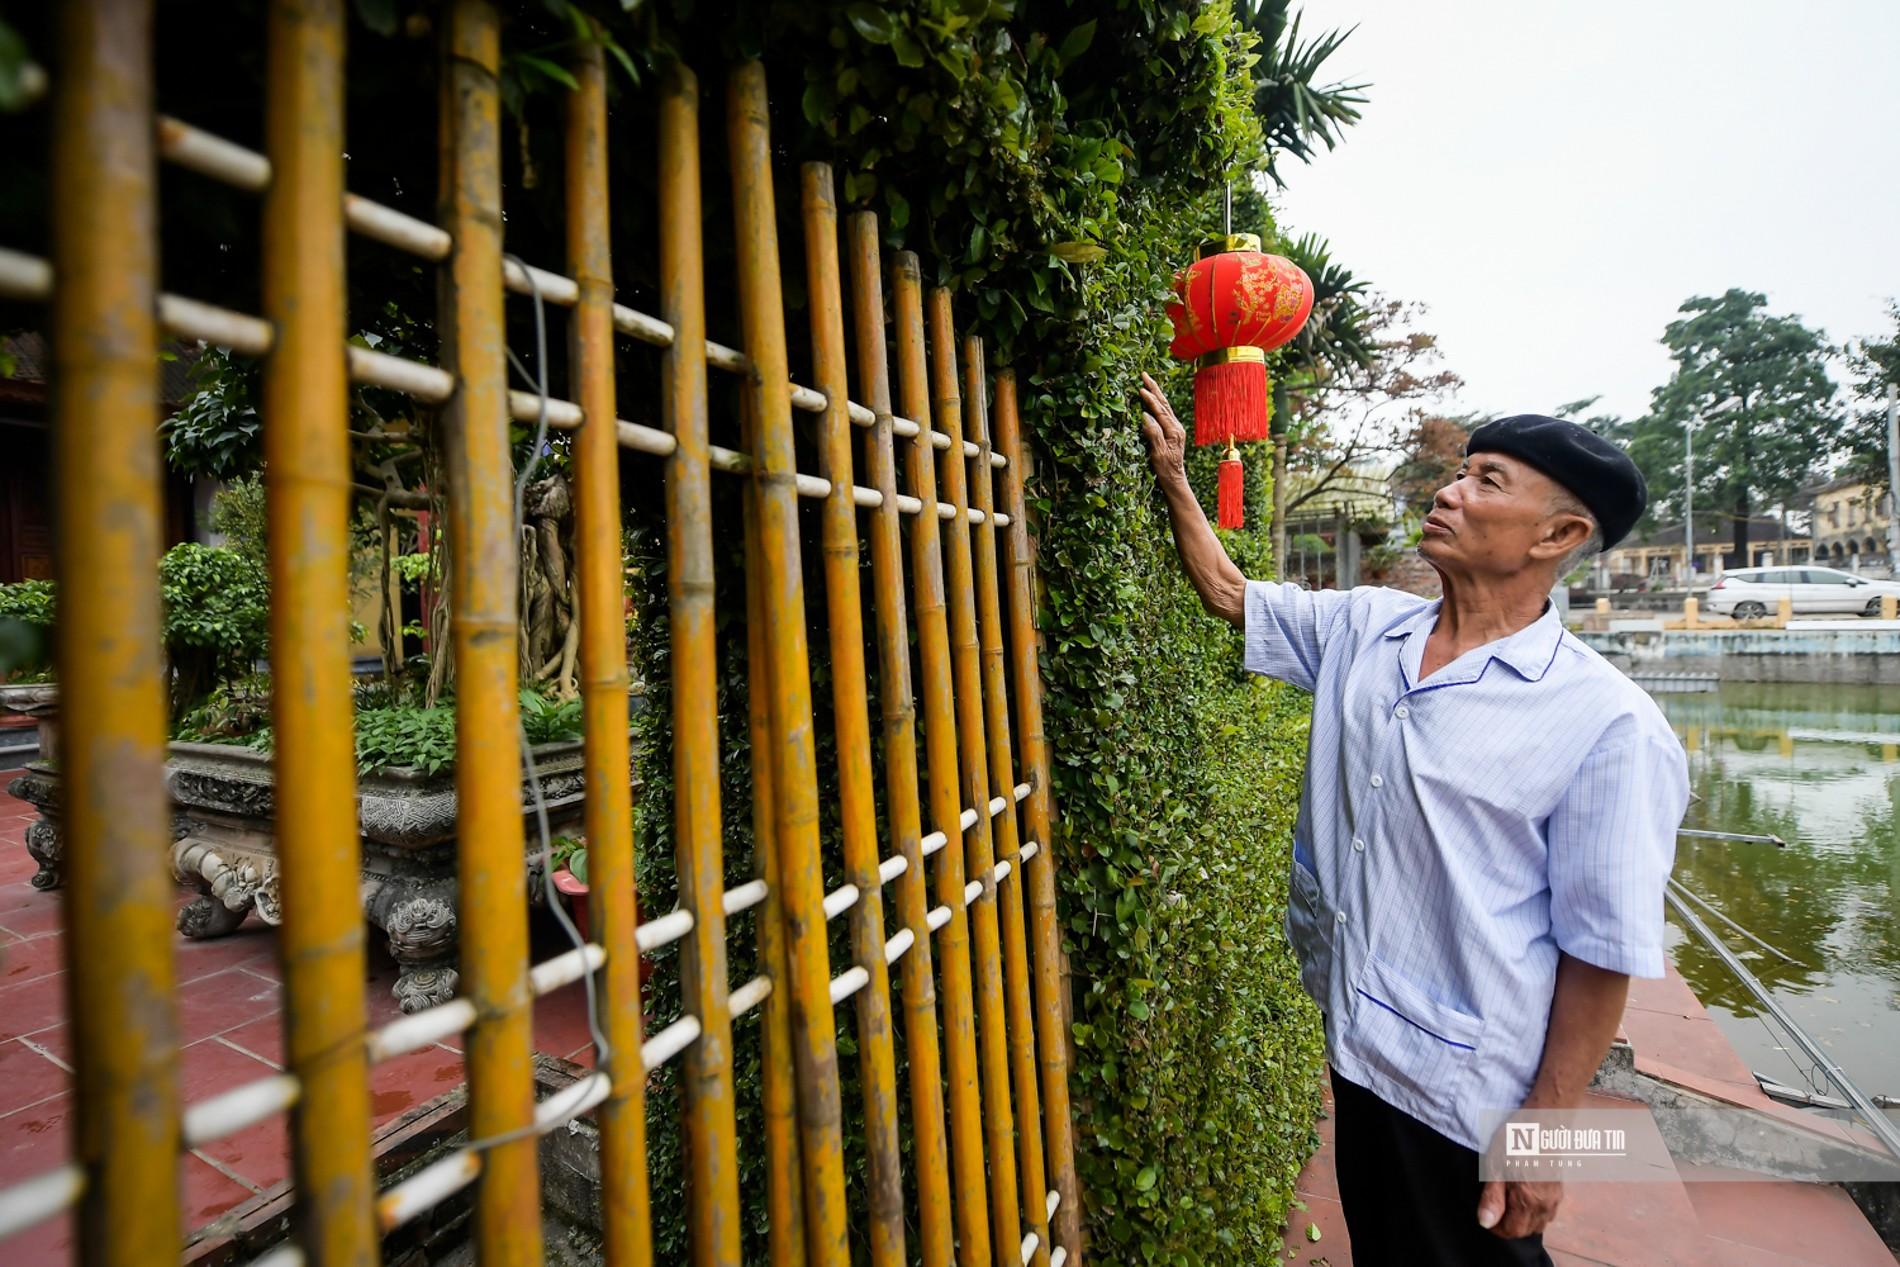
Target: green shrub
x=215 y=619
x=217 y=430
x=548 y=719
x=216 y=622
x=26 y=629
x=422 y=738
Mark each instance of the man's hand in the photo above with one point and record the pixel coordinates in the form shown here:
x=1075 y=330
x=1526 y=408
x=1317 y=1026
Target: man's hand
x=1585 y=1006
x=1512 y=1208
x=1214 y=576
x=1167 y=438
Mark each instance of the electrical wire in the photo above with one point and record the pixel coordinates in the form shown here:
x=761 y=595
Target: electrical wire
x=543 y=857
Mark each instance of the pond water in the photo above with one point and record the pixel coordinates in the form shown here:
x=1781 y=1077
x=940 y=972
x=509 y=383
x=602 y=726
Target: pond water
x=1818 y=766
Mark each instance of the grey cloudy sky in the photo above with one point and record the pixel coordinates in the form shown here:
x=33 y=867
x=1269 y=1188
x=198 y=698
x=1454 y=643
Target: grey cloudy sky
x=1554 y=178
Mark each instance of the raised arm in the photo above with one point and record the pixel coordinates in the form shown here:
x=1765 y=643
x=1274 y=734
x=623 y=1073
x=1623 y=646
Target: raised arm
x=1215 y=578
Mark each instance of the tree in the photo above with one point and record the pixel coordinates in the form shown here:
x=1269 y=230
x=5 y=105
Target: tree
x=1755 y=388
x=1293 y=111
x=1875 y=366
x=1344 y=409
x=1431 y=453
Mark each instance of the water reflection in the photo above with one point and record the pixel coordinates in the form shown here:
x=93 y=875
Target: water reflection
x=1818 y=766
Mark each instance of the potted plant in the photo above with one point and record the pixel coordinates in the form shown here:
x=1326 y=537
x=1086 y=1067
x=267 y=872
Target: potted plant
x=567 y=868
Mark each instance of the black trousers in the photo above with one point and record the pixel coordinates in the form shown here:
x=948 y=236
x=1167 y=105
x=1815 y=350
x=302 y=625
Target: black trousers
x=1410 y=1195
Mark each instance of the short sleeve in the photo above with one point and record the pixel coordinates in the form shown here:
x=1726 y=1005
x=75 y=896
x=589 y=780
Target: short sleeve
x=1612 y=844
x=1287 y=629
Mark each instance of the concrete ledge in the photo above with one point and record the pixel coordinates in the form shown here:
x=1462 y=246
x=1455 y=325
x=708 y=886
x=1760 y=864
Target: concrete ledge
x=1853 y=651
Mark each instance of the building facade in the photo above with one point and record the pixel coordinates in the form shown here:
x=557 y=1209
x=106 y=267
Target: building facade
x=1654 y=560
x=1850 y=525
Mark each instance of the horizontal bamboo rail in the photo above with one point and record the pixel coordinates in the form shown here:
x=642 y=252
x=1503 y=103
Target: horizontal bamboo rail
x=105 y=281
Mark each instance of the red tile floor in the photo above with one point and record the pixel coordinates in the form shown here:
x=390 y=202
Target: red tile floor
x=1684 y=1223
x=229 y=997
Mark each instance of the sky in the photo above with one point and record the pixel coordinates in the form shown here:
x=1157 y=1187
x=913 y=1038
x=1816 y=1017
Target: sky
x=1553 y=178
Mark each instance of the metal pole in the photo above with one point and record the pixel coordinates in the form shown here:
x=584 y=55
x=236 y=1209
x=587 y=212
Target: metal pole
x=307 y=475
x=1893 y=479
x=600 y=577
x=1745 y=837
x=483 y=593
x=119 y=897
x=930 y=1160
x=979 y=851
x=940 y=750
x=884 y=1193
x=794 y=773
x=1688 y=502
x=711 y=1134
x=1877 y=1121
x=1685 y=891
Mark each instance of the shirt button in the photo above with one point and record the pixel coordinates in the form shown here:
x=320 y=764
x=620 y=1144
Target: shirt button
x=1339 y=916
x=1401 y=712
x=1358 y=845
x=1378 y=780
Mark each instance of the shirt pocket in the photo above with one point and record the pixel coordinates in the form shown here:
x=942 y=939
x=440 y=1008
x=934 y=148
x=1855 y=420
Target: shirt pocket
x=1309 y=931
x=1427 y=1049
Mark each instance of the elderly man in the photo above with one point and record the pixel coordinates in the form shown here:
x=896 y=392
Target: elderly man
x=1487 y=822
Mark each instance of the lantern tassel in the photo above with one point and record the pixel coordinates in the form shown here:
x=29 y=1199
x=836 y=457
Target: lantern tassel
x=1230 y=403
x=1232 y=509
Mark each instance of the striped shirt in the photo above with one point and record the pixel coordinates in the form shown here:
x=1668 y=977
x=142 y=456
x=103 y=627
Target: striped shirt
x=1454 y=834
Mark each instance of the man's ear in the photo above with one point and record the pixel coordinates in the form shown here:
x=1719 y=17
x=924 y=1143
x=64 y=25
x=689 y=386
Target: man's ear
x=1562 y=534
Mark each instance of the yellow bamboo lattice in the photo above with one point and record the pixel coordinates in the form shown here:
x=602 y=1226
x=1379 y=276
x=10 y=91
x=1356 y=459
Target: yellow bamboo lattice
x=980 y=1003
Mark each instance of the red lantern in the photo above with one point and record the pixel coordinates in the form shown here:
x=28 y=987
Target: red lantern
x=1236 y=304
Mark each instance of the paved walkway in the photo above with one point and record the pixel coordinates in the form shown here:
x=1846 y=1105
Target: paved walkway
x=1684 y=1223
x=230 y=994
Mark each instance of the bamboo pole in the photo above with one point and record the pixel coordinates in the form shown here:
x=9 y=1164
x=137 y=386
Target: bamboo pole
x=784 y=1186
x=118 y=898
x=979 y=852
x=794 y=771
x=940 y=747
x=1040 y=872
x=712 y=1147
x=1022 y=1032
x=493 y=914
x=852 y=714
x=626 y=1214
x=929 y=1156
x=307 y=477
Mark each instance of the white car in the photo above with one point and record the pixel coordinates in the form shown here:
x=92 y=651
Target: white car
x=1747 y=593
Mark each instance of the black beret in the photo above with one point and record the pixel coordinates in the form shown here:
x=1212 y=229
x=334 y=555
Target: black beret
x=1599 y=473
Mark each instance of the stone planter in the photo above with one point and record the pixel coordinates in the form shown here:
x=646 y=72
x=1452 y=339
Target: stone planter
x=39 y=786
x=225 y=798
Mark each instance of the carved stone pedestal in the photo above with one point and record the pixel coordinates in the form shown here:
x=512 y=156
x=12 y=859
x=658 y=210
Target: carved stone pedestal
x=39 y=786
x=226 y=799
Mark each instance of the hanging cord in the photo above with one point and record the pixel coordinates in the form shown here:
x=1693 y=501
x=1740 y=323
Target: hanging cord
x=544 y=855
